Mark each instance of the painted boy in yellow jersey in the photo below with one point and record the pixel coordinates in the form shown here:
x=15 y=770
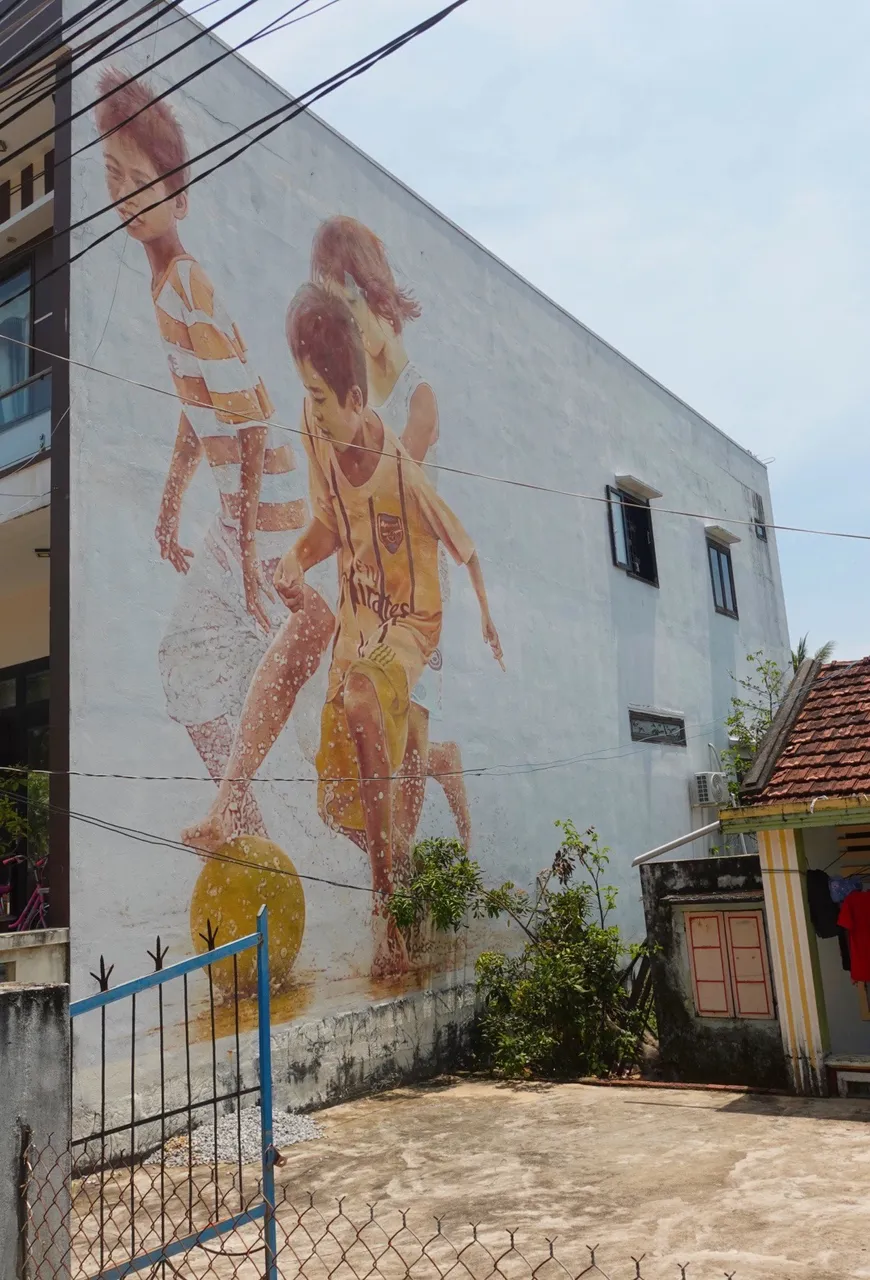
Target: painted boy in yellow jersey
x=373 y=507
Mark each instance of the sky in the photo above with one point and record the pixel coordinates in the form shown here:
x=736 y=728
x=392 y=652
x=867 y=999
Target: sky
x=691 y=179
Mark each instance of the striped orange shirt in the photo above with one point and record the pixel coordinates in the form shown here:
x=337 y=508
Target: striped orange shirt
x=223 y=396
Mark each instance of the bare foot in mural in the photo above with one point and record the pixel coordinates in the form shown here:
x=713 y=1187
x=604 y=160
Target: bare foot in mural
x=220 y=825
x=391 y=954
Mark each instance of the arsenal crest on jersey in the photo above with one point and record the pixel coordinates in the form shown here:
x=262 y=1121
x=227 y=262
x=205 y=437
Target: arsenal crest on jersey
x=391 y=531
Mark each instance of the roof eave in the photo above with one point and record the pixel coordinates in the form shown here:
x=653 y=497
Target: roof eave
x=820 y=811
x=777 y=736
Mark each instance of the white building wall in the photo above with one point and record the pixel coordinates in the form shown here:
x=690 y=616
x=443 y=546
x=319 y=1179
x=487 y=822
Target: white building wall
x=525 y=392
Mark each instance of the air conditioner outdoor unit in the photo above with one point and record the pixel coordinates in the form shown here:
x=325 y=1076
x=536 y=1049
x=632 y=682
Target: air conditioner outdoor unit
x=709 y=790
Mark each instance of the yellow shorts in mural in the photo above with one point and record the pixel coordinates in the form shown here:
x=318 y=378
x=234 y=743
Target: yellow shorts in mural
x=338 y=793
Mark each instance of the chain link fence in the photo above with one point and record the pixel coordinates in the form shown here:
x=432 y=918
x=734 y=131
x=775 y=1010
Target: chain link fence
x=79 y=1222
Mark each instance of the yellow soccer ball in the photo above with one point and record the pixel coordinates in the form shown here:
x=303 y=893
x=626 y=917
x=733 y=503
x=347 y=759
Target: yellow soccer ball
x=247 y=873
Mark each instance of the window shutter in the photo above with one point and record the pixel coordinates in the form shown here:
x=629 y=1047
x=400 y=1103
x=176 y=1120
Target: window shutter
x=705 y=934
x=748 y=959
x=618 y=537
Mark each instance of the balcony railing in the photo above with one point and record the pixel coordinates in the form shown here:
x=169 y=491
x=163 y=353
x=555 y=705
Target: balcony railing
x=25 y=419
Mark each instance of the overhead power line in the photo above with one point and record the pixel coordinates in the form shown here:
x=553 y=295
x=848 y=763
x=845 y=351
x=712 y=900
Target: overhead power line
x=288 y=111
x=269 y=30
x=466 y=472
x=101 y=57
x=36 y=83
x=599 y=755
x=50 y=38
x=41 y=87
x=149 y=837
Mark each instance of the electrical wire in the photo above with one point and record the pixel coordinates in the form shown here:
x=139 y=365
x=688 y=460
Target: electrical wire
x=47 y=37
x=179 y=84
x=295 y=109
x=288 y=111
x=22 y=22
x=150 y=838
x=101 y=57
x=49 y=43
x=10 y=515
x=46 y=76
x=463 y=471
x=40 y=85
x=496 y=771
x=268 y=30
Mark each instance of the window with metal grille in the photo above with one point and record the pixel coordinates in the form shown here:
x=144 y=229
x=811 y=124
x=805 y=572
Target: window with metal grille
x=758 y=512
x=650 y=726
x=722 y=577
x=729 y=965
x=631 y=535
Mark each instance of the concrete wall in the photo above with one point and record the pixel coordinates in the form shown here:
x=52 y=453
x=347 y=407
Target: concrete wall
x=35 y=1071
x=35 y=956
x=692 y=1048
x=24 y=634
x=24 y=578
x=523 y=391
x=848 y=1033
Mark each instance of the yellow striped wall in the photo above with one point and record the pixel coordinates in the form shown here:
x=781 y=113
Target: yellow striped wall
x=801 y=1008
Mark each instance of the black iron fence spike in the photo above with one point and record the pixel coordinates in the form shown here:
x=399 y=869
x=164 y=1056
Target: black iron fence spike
x=158 y=955
x=102 y=978
x=210 y=935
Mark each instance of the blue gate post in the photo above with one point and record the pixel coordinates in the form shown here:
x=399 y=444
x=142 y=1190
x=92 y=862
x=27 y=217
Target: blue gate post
x=265 y=1033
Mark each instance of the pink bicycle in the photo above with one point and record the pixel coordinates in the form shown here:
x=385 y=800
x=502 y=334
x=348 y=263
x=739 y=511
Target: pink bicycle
x=35 y=913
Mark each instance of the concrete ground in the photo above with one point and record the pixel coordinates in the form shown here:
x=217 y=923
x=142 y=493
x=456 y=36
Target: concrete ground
x=767 y=1188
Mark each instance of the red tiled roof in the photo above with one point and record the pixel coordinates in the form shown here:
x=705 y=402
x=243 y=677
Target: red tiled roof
x=827 y=750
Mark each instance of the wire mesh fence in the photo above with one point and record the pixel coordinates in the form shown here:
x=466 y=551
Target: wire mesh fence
x=81 y=1222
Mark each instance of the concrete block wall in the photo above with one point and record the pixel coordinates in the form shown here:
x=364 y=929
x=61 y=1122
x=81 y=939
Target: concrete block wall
x=35 y=1091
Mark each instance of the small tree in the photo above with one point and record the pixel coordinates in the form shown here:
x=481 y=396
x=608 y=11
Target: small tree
x=751 y=715
x=23 y=814
x=560 y=1007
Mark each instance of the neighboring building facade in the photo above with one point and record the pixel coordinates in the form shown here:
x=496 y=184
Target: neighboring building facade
x=585 y=656
x=808 y=798
x=716 y=1015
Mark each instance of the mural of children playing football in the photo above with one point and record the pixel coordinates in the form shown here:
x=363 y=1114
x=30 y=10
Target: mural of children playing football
x=373 y=507
x=350 y=260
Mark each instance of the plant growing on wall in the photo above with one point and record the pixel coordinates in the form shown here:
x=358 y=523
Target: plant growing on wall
x=752 y=710
x=560 y=1007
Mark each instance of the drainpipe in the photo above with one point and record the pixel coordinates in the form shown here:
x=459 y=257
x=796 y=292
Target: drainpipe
x=675 y=844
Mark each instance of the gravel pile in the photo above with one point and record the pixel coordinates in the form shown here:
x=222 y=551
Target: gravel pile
x=288 y=1129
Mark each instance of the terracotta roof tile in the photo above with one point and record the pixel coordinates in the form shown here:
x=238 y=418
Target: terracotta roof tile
x=828 y=749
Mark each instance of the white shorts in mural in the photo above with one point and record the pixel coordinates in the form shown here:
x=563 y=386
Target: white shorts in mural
x=212 y=645
x=427 y=691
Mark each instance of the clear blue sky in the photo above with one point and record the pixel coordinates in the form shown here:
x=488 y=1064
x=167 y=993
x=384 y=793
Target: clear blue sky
x=690 y=178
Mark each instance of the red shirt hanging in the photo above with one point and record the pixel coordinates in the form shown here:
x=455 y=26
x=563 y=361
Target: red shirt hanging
x=855 y=916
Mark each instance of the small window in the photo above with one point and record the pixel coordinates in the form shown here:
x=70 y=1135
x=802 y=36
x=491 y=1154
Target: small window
x=758 y=513
x=722 y=577
x=728 y=962
x=15 y=354
x=647 y=726
x=631 y=535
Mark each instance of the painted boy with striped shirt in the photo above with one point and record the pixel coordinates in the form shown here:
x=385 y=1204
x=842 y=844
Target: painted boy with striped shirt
x=226 y=611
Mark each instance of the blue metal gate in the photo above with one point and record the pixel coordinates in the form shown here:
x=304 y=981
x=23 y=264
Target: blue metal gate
x=133 y=1209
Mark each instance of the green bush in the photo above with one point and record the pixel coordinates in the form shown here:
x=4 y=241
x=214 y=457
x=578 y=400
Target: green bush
x=560 y=1006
